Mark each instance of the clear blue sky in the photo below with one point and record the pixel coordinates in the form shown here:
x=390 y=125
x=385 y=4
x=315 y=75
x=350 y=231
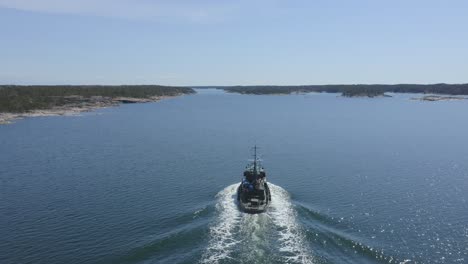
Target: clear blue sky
x=233 y=42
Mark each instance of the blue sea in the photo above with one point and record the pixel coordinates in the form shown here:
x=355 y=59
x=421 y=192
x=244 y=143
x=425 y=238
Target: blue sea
x=354 y=180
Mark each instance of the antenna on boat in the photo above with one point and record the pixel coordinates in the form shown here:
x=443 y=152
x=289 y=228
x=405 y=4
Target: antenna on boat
x=255 y=160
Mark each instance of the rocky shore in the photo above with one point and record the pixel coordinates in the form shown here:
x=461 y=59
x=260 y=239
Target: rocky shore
x=434 y=98
x=78 y=104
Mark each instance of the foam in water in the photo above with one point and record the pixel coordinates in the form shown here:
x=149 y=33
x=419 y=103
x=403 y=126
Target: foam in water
x=222 y=233
x=248 y=235
x=255 y=236
x=292 y=239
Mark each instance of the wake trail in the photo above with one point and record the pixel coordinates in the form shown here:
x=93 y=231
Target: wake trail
x=274 y=236
x=223 y=241
x=291 y=237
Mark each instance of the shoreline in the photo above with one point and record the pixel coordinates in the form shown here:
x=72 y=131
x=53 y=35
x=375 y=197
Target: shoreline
x=366 y=95
x=85 y=105
x=435 y=98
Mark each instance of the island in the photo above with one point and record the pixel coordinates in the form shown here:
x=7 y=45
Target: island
x=435 y=98
x=44 y=100
x=353 y=90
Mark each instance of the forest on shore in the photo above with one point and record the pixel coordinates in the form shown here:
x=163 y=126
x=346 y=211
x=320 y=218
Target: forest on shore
x=354 y=90
x=18 y=99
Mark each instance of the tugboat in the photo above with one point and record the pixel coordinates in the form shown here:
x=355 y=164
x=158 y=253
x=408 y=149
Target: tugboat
x=253 y=192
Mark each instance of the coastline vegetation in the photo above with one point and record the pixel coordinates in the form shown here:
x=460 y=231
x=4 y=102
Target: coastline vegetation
x=355 y=90
x=20 y=99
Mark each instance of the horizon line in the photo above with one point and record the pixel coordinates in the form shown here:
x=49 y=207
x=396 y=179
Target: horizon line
x=237 y=85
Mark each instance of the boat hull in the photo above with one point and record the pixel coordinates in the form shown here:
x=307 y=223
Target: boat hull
x=254 y=201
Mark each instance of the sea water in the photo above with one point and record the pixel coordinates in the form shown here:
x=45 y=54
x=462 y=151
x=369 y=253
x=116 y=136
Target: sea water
x=353 y=180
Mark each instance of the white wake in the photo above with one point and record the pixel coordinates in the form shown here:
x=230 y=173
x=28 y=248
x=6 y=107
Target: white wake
x=248 y=236
x=292 y=238
x=222 y=234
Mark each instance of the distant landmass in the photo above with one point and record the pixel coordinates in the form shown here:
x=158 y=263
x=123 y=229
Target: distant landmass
x=41 y=100
x=355 y=90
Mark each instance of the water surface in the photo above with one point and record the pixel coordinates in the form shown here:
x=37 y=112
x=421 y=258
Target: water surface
x=355 y=180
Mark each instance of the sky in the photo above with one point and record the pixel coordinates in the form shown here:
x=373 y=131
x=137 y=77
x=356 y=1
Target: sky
x=241 y=42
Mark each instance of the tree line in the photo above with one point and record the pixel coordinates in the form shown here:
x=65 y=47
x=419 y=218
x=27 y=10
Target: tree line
x=354 y=89
x=14 y=98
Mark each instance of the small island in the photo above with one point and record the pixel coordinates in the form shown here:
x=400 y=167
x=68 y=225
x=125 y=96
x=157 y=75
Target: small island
x=45 y=100
x=435 y=98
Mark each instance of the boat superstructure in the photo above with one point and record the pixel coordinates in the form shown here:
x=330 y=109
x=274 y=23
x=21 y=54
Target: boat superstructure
x=253 y=192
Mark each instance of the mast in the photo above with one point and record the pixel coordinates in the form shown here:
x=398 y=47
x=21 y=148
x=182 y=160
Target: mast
x=255 y=161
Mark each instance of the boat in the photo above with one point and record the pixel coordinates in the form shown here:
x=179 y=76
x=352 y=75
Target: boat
x=253 y=193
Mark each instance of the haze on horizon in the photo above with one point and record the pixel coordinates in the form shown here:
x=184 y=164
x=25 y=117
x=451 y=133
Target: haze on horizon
x=242 y=42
